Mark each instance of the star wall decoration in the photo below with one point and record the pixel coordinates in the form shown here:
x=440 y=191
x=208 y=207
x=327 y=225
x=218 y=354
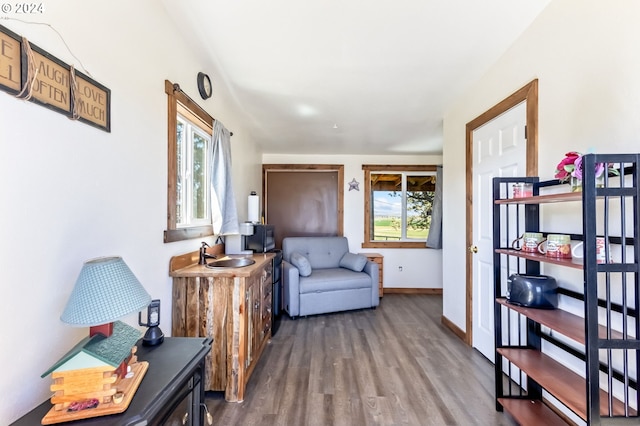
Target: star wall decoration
x=354 y=185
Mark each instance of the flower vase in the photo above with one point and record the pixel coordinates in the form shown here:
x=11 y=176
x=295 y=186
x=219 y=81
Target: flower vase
x=576 y=184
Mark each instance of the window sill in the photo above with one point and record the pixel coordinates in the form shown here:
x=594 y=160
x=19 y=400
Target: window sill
x=394 y=244
x=172 y=235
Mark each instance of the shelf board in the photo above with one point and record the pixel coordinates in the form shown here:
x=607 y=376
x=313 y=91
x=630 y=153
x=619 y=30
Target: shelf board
x=531 y=412
x=563 y=322
x=570 y=263
x=567 y=386
x=543 y=199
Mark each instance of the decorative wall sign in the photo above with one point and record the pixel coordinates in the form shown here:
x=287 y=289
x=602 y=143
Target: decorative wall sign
x=92 y=102
x=51 y=87
x=30 y=73
x=10 y=60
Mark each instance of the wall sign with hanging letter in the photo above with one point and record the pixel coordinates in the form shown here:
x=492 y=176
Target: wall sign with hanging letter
x=10 y=61
x=30 y=73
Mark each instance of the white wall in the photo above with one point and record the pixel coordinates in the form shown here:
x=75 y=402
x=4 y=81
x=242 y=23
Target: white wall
x=585 y=55
x=421 y=268
x=71 y=192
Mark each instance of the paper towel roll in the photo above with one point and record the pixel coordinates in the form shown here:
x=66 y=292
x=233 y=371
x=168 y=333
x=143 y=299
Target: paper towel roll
x=254 y=208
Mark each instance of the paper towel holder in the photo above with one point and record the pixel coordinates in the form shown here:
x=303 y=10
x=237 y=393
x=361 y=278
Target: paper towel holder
x=253 y=205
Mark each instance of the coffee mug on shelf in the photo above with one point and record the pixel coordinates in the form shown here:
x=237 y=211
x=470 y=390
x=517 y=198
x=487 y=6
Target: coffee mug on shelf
x=556 y=246
x=528 y=242
x=522 y=190
x=601 y=250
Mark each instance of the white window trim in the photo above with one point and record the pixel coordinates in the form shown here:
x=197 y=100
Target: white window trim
x=191 y=128
x=403 y=208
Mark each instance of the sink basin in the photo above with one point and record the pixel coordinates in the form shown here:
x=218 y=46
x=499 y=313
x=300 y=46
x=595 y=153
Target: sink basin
x=231 y=263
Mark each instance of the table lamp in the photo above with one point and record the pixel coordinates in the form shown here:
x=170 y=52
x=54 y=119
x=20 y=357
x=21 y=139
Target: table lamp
x=105 y=291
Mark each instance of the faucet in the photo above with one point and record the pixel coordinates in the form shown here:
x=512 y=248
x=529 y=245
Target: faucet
x=204 y=255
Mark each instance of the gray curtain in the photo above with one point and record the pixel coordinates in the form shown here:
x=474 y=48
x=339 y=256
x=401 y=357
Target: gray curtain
x=434 y=239
x=224 y=213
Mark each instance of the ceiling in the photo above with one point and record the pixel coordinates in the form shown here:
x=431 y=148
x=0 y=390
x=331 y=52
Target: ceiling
x=348 y=76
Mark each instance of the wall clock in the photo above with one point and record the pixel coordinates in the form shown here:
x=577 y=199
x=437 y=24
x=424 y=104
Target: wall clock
x=204 y=85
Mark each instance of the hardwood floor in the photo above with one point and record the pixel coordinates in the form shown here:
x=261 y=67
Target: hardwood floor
x=395 y=365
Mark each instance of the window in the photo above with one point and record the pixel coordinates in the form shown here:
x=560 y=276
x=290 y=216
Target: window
x=398 y=205
x=192 y=174
x=189 y=134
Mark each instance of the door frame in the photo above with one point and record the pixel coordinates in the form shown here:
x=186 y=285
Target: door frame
x=528 y=93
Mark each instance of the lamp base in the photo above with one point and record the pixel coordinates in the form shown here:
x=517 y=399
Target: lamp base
x=153 y=336
x=105 y=329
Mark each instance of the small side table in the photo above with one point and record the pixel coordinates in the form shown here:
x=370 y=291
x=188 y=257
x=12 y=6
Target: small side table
x=171 y=391
x=377 y=257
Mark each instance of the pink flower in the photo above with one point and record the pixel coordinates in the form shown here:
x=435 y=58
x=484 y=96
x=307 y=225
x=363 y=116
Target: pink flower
x=571 y=166
x=565 y=168
x=577 y=172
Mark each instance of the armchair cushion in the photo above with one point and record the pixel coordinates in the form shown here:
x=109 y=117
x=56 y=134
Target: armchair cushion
x=302 y=263
x=353 y=261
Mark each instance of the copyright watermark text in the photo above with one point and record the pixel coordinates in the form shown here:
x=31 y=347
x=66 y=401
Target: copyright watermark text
x=22 y=8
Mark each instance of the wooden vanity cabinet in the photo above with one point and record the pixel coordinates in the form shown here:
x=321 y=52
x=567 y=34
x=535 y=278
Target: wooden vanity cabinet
x=258 y=296
x=233 y=307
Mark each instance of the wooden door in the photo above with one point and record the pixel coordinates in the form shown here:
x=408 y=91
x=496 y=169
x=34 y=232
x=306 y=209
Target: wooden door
x=499 y=150
x=303 y=199
x=528 y=96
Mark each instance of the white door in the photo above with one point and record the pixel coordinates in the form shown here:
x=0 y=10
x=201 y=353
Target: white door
x=499 y=149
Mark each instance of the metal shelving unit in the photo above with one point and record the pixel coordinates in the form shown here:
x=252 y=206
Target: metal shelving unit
x=595 y=376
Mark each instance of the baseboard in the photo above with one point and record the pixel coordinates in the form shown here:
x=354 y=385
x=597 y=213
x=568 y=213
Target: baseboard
x=430 y=291
x=454 y=328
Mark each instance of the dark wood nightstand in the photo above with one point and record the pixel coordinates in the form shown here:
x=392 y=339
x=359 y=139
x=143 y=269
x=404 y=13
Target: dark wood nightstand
x=171 y=390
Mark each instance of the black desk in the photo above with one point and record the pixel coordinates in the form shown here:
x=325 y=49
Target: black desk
x=171 y=388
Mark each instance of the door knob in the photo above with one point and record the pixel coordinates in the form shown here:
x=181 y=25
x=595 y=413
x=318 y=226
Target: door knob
x=473 y=249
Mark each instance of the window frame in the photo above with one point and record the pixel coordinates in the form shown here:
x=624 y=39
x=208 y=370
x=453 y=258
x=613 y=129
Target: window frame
x=368 y=203
x=179 y=102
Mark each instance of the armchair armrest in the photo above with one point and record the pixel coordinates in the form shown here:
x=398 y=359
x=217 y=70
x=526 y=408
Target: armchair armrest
x=291 y=287
x=372 y=269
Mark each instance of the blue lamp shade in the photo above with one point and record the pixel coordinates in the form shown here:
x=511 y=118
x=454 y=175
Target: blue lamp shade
x=105 y=291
